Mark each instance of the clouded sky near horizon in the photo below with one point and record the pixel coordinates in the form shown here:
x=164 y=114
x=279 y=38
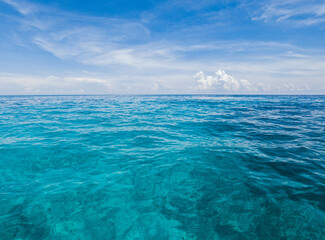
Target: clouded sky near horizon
x=162 y=47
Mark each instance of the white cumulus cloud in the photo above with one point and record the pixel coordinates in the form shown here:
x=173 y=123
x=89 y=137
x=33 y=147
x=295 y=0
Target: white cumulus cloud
x=263 y=86
x=221 y=80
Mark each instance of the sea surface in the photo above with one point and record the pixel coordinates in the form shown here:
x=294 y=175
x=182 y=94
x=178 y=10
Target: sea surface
x=162 y=167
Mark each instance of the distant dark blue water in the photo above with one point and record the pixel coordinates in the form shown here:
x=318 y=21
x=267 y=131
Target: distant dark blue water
x=162 y=167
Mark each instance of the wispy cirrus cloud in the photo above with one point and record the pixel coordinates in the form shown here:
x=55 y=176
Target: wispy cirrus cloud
x=25 y=8
x=295 y=11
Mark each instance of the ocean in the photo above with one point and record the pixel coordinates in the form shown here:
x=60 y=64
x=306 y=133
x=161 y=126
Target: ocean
x=162 y=167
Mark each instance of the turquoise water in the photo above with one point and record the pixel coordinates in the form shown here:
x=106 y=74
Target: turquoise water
x=162 y=167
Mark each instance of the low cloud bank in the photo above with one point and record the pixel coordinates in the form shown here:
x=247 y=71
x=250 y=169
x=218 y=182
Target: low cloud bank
x=222 y=82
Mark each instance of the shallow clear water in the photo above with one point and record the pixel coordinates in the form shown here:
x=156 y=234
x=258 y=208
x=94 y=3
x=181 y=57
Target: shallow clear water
x=162 y=167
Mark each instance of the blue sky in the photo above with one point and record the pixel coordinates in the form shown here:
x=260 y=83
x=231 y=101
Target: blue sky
x=158 y=47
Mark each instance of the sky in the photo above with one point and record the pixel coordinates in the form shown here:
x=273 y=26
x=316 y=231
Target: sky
x=162 y=47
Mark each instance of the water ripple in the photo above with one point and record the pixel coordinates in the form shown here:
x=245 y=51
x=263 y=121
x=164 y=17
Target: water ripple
x=162 y=167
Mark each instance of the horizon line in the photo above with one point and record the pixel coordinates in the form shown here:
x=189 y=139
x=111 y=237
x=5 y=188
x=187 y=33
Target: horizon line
x=159 y=94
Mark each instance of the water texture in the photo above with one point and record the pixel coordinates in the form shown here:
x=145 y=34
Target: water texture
x=162 y=167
